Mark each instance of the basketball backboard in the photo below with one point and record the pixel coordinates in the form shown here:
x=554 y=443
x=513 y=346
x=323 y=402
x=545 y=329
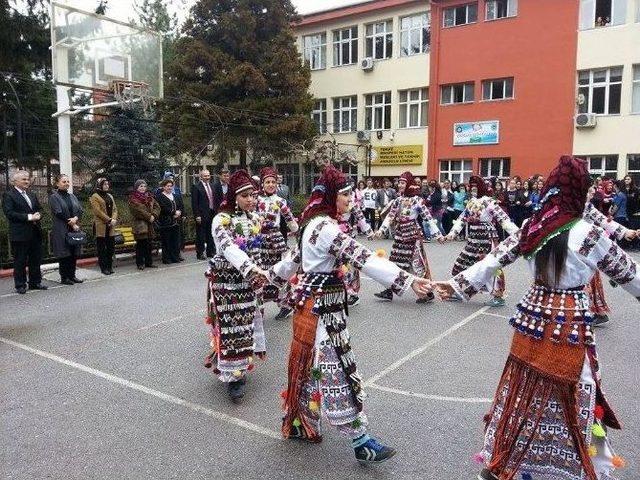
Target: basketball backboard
x=91 y=51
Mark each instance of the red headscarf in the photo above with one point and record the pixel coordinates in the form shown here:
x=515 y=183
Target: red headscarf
x=479 y=183
x=407 y=177
x=239 y=181
x=562 y=204
x=325 y=194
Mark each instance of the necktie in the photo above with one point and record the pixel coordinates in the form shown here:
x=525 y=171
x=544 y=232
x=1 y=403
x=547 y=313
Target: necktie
x=209 y=196
x=28 y=200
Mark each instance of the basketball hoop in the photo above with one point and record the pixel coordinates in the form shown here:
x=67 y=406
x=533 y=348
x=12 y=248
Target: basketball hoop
x=128 y=92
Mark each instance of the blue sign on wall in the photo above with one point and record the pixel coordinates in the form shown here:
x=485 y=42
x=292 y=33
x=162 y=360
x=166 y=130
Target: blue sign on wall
x=476 y=133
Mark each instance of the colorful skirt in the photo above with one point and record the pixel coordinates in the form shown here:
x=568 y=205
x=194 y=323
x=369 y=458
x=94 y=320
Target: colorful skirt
x=235 y=321
x=271 y=251
x=408 y=251
x=549 y=414
x=597 y=299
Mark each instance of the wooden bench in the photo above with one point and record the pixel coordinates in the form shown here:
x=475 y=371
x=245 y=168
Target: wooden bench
x=127 y=233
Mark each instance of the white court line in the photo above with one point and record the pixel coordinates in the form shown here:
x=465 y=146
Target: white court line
x=425 y=347
x=238 y=422
x=495 y=315
x=174 y=319
x=431 y=397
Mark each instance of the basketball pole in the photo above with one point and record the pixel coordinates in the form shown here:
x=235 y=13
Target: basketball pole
x=64 y=134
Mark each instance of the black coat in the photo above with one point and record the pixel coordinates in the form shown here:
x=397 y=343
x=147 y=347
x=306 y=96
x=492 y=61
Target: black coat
x=167 y=210
x=218 y=195
x=200 y=201
x=61 y=214
x=17 y=210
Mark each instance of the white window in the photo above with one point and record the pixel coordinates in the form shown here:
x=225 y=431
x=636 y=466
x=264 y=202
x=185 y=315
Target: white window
x=495 y=167
x=345 y=114
x=501 y=9
x=456 y=170
x=319 y=115
x=635 y=101
x=460 y=15
x=345 y=46
x=602 y=13
x=456 y=93
x=415 y=34
x=497 y=89
x=603 y=166
x=637 y=11
x=414 y=108
x=379 y=40
x=633 y=167
x=600 y=90
x=315 y=50
x=377 y=111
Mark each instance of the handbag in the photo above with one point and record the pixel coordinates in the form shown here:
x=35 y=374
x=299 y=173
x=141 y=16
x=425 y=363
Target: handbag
x=74 y=239
x=118 y=239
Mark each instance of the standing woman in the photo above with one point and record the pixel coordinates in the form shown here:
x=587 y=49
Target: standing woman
x=323 y=377
x=234 y=302
x=170 y=215
x=550 y=416
x=480 y=217
x=460 y=198
x=105 y=218
x=271 y=210
x=144 y=211
x=66 y=211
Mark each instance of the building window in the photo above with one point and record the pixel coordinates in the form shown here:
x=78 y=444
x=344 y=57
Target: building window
x=501 y=9
x=379 y=40
x=495 y=167
x=456 y=170
x=377 y=111
x=497 y=89
x=603 y=166
x=315 y=50
x=351 y=171
x=414 y=108
x=345 y=114
x=600 y=90
x=319 y=115
x=460 y=15
x=456 y=93
x=602 y=13
x=637 y=11
x=633 y=167
x=635 y=100
x=415 y=35
x=345 y=46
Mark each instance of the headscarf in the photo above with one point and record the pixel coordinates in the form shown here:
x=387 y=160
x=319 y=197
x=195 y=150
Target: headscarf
x=139 y=197
x=407 y=177
x=267 y=172
x=99 y=184
x=239 y=181
x=561 y=205
x=325 y=194
x=479 y=183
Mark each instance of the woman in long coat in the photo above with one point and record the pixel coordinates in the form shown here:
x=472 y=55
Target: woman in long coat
x=105 y=218
x=144 y=211
x=66 y=212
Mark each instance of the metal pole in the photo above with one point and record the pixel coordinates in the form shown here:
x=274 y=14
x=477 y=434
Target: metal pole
x=18 y=106
x=5 y=147
x=64 y=135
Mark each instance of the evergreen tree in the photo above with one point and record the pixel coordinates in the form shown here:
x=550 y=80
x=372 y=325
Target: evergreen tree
x=238 y=76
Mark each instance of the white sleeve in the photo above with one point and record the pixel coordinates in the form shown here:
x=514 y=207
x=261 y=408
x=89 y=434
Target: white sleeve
x=282 y=271
x=227 y=247
x=458 y=223
x=592 y=215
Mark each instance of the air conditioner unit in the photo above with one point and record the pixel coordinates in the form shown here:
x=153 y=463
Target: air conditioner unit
x=364 y=135
x=367 y=64
x=586 y=120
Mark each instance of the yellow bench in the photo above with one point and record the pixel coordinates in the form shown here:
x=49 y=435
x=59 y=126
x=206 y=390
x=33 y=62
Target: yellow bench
x=127 y=233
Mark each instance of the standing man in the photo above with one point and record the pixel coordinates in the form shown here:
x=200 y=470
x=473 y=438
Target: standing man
x=220 y=187
x=22 y=209
x=283 y=192
x=203 y=205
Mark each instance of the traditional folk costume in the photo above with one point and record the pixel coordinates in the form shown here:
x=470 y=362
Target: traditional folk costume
x=349 y=223
x=271 y=208
x=549 y=414
x=323 y=374
x=481 y=216
x=407 y=213
x=233 y=303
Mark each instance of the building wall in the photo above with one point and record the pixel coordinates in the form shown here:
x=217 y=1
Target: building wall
x=394 y=74
x=612 y=46
x=536 y=126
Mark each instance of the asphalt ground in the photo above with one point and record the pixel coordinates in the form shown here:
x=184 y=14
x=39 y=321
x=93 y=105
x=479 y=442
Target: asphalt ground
x=106 y=380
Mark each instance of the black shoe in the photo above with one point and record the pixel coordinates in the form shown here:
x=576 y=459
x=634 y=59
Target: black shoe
x=373 y=452
x=485 y=474
x=200 y=256
x=428 y=299
x=599 y=320
x=236 y=390
x=76 y=280
x=353 y=300
x=38 y=287
x=140 y=267
x=151 y=266
x=166 y=262
x=21 y=290
x=181 y=258
x=283 y=313
x=111 y=271
x=385 y=295
x=106 y=272
x=67 y=281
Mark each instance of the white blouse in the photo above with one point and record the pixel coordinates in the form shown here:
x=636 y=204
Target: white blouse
x=273 y=207
x=483 y=209
x=404 y=209
x=234 y=237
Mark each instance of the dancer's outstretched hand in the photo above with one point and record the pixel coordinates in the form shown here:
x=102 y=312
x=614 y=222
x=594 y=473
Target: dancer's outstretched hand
x=442 y=239
x=422 y=287
x=631 y=235
x=258 y=277
x=377 y=235
x=444 y=290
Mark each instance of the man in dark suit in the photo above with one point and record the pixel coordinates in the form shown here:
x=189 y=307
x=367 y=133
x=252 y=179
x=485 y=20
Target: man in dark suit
x=220 y=187
x=283 y=192
x=203 y=205
x=23 y=212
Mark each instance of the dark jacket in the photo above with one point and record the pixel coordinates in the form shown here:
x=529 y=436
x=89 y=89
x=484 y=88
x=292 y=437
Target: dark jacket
x=17 y=211
x=218 y=195
x=60 y=228
x=200 y=201
x=167 y=210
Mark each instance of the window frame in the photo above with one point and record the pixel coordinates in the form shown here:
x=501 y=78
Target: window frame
x=322 y=47
x=351 y=109
x=461 y=173
x=339 y=42
x=602 y=171
x=490 y=82
x=370 y=111
x=510 y=7
x=422 y=103
x=633 y=173
x=452 y=93
x=635 y=85
x=322 y=113
x=369 y=39
x=424 y=31
x=607 y=92
x=454 y=9
x=504 y=161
